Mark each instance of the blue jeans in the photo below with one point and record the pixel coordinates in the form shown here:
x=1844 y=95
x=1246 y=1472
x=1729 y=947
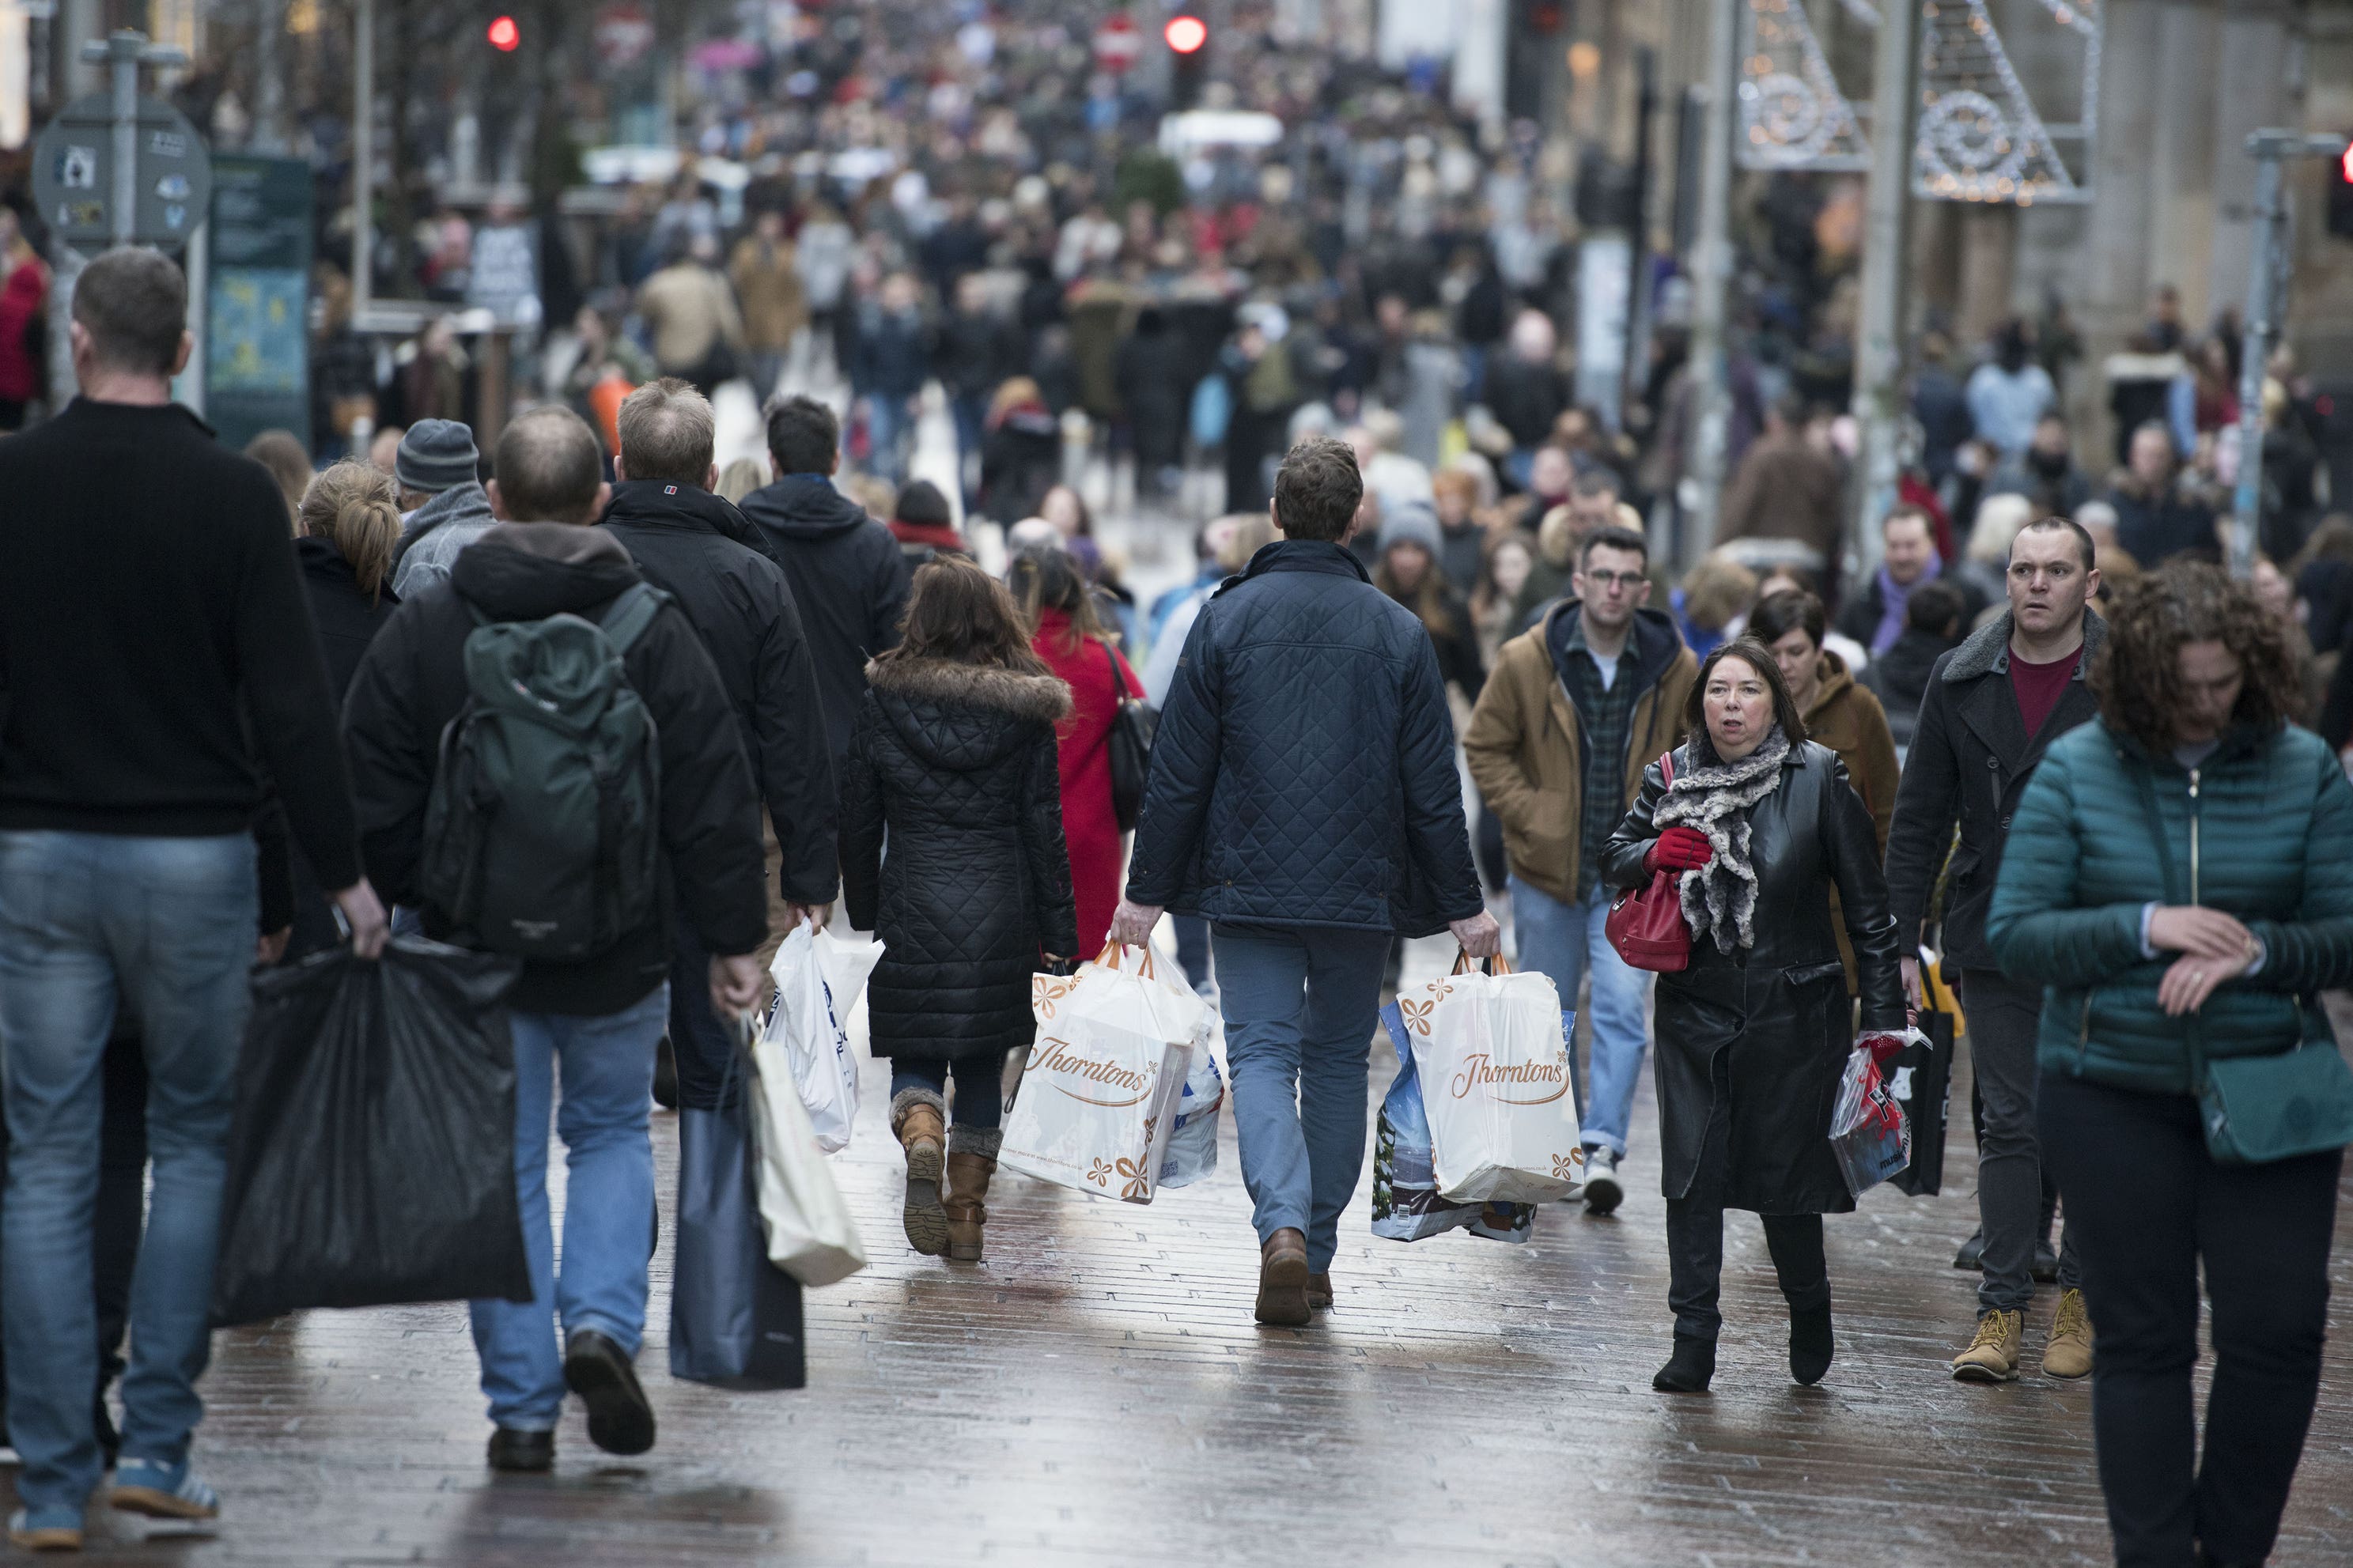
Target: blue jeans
x=608 y=1202
x=980 y=1100
x=89 y=921
x=1561 y=941
x=971 y=413
x=1299 y=1005
x=889 y=428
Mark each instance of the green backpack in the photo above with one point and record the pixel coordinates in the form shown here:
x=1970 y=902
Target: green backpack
x=543 y=830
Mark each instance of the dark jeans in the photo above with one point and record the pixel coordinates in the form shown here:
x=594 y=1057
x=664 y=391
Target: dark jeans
x=709 y=1077
x=2004 y=1018
x=979 y=1101
x=114 y=1224
x=2149 y=1205
x=1695 y=1235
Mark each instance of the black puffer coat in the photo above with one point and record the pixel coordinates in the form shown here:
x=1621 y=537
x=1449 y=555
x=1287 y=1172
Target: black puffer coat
x=1780 y=1006
x=957 y=763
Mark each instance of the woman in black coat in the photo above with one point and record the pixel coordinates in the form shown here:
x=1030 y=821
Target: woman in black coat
x=954 y=754
x=347 y=528
x=1754 y=1035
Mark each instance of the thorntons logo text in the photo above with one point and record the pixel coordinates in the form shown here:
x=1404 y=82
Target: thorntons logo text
x=1481 y=1072
x=1055 y=1056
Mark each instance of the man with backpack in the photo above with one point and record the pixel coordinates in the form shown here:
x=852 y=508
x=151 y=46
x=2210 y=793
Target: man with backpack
x=547 y=763
x=700 y=550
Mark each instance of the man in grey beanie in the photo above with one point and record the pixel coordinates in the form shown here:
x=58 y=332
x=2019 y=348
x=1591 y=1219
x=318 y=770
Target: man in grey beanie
x=440 y=488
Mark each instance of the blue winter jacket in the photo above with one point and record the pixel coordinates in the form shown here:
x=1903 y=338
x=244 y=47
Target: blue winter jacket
x=1304 y=770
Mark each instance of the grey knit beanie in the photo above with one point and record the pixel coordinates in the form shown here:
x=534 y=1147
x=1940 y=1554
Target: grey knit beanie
x=436 y=455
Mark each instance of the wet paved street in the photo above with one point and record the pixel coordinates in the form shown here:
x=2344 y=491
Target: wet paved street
x=1096 y=1394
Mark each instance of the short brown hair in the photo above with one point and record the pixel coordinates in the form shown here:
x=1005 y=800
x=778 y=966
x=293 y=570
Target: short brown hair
x=134 y=303
x=548 y=467
x=1317 y=490
x=2137 y=675
x=1908 y=512
x=668 y=433
x=1793 y=609
x=1758 y=658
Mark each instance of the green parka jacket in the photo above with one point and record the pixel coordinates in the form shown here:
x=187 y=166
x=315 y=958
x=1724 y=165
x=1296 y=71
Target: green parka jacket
x=2262 y=828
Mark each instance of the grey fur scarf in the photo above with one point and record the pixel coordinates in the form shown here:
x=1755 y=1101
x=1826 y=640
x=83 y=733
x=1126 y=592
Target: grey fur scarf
x=1720 y=899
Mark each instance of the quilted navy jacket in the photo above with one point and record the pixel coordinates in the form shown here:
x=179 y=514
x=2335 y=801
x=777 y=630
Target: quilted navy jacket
x=1303 y=771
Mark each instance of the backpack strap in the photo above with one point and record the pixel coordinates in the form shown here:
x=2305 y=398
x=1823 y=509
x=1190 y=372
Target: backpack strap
x=633 y=609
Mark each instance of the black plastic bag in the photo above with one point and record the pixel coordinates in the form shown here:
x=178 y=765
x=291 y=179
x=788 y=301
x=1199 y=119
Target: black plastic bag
x=1931 y=1084
x=735 y=1317
x=371 y=1158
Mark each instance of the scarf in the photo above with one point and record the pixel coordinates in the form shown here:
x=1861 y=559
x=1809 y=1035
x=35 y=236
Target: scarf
x=1720 y=899
x=1894 y=600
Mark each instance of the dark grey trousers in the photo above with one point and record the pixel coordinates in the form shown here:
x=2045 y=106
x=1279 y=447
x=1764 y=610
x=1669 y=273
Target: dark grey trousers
x=2004 y=1015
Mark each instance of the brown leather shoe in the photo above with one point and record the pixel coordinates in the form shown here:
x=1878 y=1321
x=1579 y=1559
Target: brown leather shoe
x=917 y=1118
x=970 y=1170
x=1282 y=1281
x=1319 y=1291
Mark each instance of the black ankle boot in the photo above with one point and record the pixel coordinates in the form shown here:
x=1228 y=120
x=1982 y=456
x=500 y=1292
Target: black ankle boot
x=1811 y=1346
x=1690 y=1369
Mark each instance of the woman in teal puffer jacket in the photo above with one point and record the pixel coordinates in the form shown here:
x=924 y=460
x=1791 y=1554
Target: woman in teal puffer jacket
x=2180 y=876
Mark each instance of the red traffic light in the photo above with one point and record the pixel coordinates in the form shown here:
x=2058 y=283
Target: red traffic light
x=504 y=35
x=1186 y=34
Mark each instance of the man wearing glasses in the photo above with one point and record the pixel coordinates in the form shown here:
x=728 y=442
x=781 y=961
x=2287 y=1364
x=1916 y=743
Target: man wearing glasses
x=1574 y=710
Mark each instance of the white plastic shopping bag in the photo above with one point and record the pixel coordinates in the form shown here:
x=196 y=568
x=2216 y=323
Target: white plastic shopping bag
x=1101 y=1088
x=1491 y=1054
x=810 y=1234
x=1193 y=1131
x=818 y=981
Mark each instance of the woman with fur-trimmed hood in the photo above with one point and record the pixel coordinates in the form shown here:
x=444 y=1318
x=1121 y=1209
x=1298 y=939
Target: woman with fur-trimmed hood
x=954 y=754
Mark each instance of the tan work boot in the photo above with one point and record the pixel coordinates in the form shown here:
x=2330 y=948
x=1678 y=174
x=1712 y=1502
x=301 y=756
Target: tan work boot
x=919 y=1120
x=1319 y=1291
x=1282 y=1281
x=972 y=1159
x=1993 y=1355
x=2068 y=1351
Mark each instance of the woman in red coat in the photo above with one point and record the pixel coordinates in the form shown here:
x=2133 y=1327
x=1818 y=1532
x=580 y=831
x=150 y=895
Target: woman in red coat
x=1068 y=634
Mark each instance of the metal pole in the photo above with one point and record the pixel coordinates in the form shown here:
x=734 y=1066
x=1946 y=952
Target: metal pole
x=1886 y=233
x=1712 y=277
x=1637 y=261
x=122 y=52
x=2255 y=348
x=362 y=161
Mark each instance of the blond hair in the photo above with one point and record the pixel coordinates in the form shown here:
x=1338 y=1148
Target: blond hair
x=352 y=506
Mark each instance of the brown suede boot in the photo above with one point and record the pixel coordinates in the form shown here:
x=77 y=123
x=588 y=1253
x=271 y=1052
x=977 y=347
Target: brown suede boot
x=1319 y=1291
x=972 y=1159
x=1282 y=1281
x=919 y=1119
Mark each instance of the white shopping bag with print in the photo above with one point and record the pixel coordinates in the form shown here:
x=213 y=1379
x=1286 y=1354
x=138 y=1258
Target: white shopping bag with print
x=1491 y=1053
x=811 y=1235
x=818 y=981
x=1100 y=1089
x=1193 y=1131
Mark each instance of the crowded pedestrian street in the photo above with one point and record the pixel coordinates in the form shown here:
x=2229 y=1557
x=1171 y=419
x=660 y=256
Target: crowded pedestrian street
x=1093 y=1392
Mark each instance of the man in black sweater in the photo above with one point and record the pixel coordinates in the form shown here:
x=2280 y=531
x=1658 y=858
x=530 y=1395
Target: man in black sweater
x=849 y=578
x=699 y=549
x=155 y=637
x=599 y=1016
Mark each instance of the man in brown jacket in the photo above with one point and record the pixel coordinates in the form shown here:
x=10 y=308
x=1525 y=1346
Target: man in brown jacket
x=1573 y=711
x=767 y=275
x=1787 y=487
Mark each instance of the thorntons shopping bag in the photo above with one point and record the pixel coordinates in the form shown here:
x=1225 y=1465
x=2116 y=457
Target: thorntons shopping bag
x=1406 y=1204
x=1491 y=1054
x=818 y=981
x=1100 y=1090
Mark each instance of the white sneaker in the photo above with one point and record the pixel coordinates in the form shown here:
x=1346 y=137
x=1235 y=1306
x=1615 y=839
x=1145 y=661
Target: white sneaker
x=1602 y=1193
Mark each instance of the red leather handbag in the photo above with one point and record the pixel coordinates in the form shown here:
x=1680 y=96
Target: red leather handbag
x=1646 y=923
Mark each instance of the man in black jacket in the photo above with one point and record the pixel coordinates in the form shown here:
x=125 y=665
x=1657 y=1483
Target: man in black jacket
x=693 y=546
x=1302 y=798
x=603 y=1014
x=161 y=661
x=1992 y=708
x=848 y=576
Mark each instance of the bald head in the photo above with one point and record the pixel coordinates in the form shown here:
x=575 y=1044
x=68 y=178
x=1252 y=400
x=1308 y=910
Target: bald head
x=550 y=470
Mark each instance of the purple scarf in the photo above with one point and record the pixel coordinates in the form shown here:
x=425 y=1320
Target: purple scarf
x=1893 y=600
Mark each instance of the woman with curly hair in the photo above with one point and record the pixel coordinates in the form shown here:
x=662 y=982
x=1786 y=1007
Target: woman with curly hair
x=2176 y=876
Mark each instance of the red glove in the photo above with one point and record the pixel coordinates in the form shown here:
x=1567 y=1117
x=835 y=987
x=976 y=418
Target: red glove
x=1679 y=848
x=1884 y=1047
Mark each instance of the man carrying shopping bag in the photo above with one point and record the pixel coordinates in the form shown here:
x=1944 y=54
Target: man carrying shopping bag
x=1303 y=798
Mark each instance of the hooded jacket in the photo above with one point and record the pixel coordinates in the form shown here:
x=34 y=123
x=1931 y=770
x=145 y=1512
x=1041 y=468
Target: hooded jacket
x=2262 y=829
x=435 y=533
x=412 y=683
x=956 y=764
x=697 y=548
x=848 y=580
x=1303 y=773
x=1969 y=763
x=1526 y=741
